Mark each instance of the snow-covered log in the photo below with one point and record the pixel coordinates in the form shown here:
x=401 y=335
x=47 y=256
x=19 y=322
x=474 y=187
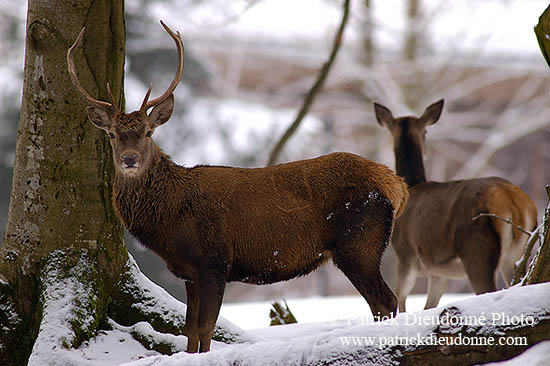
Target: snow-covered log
x=485 y=328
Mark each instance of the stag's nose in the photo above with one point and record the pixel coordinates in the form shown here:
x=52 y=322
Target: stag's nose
x=130 y=160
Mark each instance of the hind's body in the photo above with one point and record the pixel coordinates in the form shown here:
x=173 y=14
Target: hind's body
x=437 y=236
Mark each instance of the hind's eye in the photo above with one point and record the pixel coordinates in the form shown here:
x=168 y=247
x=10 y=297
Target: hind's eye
x=148 y=133
x=111 y=135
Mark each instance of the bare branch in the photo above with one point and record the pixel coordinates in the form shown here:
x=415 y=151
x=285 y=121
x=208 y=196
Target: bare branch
x=509 y=221
x=520 y=269
x=314 y=89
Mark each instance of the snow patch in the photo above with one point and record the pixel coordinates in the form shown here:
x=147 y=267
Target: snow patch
x=64 y=296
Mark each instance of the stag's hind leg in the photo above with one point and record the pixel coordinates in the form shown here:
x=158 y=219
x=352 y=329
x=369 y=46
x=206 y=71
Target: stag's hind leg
x=370 y=284
x=366 y=231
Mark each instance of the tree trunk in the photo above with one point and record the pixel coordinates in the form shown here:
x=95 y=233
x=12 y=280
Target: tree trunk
x=542 y=30
x=63 y=263
x=540 y=270
x=61 y=225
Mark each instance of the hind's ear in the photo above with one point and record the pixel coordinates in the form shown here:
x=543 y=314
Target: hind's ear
x=432 y=113
x=383 y=116
x=99 y=118
x=162 y=112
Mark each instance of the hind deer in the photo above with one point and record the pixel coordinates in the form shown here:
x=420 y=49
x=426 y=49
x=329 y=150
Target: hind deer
x=216 y=224
x=436 y=236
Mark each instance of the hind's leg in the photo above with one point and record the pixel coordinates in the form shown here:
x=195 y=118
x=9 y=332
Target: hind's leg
x=436 y=286
x=512 y=252
x=480 y=263
x=406 y=277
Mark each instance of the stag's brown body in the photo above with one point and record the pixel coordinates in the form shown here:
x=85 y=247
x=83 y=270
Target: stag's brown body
x=437 y=235
x=261 y=225
x=216 y=224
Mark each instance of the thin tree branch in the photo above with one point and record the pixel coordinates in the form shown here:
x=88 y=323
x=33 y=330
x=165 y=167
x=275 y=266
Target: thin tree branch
x=314 y=89
x=539 y=267
x=509 y=221
x=520 y=268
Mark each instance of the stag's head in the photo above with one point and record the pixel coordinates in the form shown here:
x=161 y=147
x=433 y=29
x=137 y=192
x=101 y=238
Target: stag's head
x=130 y=133
x=408 y=131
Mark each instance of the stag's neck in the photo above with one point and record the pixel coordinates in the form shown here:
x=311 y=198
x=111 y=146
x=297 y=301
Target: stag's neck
x=409 y=163
x=141 y=200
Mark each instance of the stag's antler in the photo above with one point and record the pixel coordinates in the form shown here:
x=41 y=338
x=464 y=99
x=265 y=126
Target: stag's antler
x=145 y=105
x=112 y=106
x=109 y=107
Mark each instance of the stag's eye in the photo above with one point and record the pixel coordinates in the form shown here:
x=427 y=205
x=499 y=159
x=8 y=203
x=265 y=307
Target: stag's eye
x=111 y=135
x=148 y=133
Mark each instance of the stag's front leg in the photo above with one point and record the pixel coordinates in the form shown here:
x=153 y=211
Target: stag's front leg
x=192 y=316
x=211 y=296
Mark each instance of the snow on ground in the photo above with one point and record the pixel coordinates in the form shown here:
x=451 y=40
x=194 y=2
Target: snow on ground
x=324 y=323
x=254 y=315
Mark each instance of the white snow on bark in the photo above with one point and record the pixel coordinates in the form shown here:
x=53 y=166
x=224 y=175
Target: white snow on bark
x=64 y=299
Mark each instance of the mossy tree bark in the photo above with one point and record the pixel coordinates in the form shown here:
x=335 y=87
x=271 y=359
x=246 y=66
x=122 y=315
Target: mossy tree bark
x=61 y=219
x=540 y=271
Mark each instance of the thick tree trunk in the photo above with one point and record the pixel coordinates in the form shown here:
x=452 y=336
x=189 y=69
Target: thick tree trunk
x=61 y=218
x=540 y=269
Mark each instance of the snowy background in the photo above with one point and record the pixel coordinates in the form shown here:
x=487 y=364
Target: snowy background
x=249 y=63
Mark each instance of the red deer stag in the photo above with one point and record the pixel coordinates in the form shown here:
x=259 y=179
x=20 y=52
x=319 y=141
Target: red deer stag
x=215 y=224
x=436 y=236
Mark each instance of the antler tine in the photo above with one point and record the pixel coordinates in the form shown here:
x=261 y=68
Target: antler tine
x=72 y=72
x=144 y=107
x=179 y=44
x=113 y=102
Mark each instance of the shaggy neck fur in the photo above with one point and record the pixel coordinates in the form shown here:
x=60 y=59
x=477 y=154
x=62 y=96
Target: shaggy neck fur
x=142 y=202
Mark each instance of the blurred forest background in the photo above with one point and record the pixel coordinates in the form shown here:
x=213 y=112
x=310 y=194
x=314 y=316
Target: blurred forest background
x=249 y=63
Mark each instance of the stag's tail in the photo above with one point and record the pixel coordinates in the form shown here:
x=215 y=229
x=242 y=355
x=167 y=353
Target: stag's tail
x=404 y=198
x=393 y=187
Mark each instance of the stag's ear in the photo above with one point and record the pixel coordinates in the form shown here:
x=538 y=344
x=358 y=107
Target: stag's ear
x=383 y=115
x=432 y=113
x=99 y=117
x=161 y=112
